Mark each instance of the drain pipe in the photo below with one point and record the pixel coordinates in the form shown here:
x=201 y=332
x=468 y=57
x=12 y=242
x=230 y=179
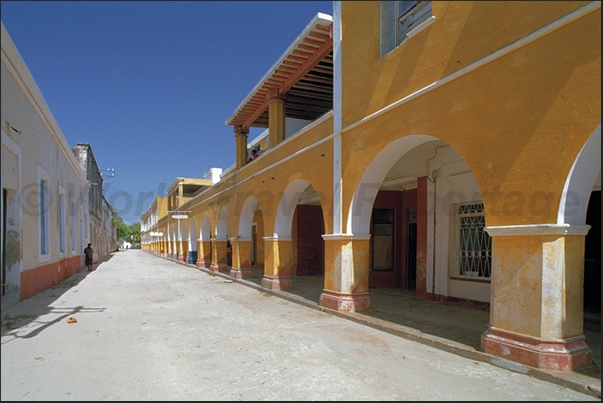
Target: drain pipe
x=434 y=175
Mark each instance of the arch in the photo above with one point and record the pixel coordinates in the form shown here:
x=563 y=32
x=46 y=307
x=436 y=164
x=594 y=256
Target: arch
x=580 y=181
x=205 y=233
x=286 y=208
x=222 y=224
x=366 y=191
x=183 y=234
x=249 y=208
x=173 y=244
x=192 y=237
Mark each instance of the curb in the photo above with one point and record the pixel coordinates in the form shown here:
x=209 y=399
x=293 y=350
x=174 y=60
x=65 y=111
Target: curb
x=556 y=377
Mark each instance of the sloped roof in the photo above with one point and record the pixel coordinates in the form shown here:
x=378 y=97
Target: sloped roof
x=304 y=72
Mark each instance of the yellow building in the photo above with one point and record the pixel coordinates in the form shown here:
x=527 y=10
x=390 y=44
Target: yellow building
x=451 y=148
x=149 y=235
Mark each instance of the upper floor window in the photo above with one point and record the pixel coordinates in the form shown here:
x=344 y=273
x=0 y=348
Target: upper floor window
x=398 y=18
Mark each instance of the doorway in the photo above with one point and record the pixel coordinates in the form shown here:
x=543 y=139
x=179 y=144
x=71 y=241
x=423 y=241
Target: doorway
x=411 y=249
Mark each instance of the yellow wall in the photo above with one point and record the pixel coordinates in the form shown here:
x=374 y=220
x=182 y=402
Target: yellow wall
x=267 y=178
x=519 y=121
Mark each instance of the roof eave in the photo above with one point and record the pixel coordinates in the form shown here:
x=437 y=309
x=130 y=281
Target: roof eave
x=319 y=19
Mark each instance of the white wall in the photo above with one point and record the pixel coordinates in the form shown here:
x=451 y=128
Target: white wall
x=28 y=125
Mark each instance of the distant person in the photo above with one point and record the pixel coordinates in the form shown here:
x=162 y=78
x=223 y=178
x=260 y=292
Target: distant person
x=254 y=154
x=89 y=252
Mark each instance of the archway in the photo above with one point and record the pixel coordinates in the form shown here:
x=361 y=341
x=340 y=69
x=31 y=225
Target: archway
x=204 y=251
x=221 y=250
x=174 y=244
x=420 y=210
x=581 y=205
x=182 y=242
x=192 y=243
x=249 y=251
x=300 y=223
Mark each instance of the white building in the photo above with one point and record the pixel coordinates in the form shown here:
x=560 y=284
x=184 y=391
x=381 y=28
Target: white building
x=44 y=191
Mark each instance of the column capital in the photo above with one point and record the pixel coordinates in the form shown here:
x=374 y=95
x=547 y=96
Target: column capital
x=240 y=239
x=346 y=237
x=274 y=238
x=239 y=131
x=274 y=95
x=537 y=230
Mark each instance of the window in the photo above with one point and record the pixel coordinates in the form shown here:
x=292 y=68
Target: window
x=72 y=219
x=43 y=215
x=383 y=239
x=398 y=19
x=61 y=220
x=475 y=246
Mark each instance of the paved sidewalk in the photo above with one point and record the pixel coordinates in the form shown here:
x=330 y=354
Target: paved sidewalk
x=152 y=329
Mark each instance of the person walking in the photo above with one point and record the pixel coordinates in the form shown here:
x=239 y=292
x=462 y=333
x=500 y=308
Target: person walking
x=89 y=252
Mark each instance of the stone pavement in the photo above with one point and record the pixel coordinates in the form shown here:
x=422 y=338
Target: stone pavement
x=153 y=329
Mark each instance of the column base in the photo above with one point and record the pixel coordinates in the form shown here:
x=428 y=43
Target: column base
x=276 y=283
x=201 y=263
x=218 y=267
x=181 y=258
x=240 y=273
x=345 y=302
x=562 y=355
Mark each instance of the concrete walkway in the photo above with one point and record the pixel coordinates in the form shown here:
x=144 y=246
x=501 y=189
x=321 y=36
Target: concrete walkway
x=451 y=328
x=152 y=329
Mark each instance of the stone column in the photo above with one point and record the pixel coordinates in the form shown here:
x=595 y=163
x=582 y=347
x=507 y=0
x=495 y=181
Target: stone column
x=218 y=258
x=276 y=116
x=423 y=211
x=278 y=261
x=241 y=258
x=536 y=313
x=346 y=273
x=203 y=255
x=183 y=256
x=241 y=143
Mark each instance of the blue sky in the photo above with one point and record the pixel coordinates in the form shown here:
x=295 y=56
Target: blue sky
x=149 y=85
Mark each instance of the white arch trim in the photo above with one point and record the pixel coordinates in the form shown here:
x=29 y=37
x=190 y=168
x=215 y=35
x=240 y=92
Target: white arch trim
x=361 y=207
x=580 y=181
x=192 y=236
x=286 y=208
x=246 y=220
x=183 y=233
x=222 y=225
x=205 y=234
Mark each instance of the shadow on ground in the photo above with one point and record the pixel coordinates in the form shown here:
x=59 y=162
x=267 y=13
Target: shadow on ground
x=21 y=315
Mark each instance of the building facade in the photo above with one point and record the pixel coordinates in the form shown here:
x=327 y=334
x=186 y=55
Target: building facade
x=450 y=148
x=44 y=191
x=103 y=235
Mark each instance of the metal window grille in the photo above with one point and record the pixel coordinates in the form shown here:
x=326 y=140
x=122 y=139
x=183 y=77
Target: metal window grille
x=475 y=246
x=398 y=18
